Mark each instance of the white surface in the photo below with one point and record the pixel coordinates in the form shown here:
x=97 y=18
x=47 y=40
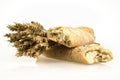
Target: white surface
x=102 y=15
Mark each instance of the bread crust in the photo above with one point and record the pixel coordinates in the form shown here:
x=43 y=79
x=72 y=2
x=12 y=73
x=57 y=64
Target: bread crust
x=71 y=37
x=88 y=54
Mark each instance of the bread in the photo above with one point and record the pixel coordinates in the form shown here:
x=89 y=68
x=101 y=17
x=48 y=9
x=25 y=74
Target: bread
x=71 y=37
x=88 y=54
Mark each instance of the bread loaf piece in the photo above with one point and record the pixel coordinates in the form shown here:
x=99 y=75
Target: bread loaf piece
x=88 y=54
x=71 y=37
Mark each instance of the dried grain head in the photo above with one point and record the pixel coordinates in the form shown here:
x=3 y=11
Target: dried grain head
x=30 y=39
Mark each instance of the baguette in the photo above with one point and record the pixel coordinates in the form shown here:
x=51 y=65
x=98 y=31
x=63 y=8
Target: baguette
x=88 y=54
x=71 y=37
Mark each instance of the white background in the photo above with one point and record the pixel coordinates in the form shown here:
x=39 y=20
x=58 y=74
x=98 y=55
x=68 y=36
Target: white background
x=102 y=15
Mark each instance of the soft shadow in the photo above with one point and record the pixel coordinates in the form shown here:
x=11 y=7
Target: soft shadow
x=69 y=65
x=46 y=60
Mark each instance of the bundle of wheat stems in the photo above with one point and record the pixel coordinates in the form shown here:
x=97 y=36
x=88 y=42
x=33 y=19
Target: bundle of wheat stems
x=62 y=42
